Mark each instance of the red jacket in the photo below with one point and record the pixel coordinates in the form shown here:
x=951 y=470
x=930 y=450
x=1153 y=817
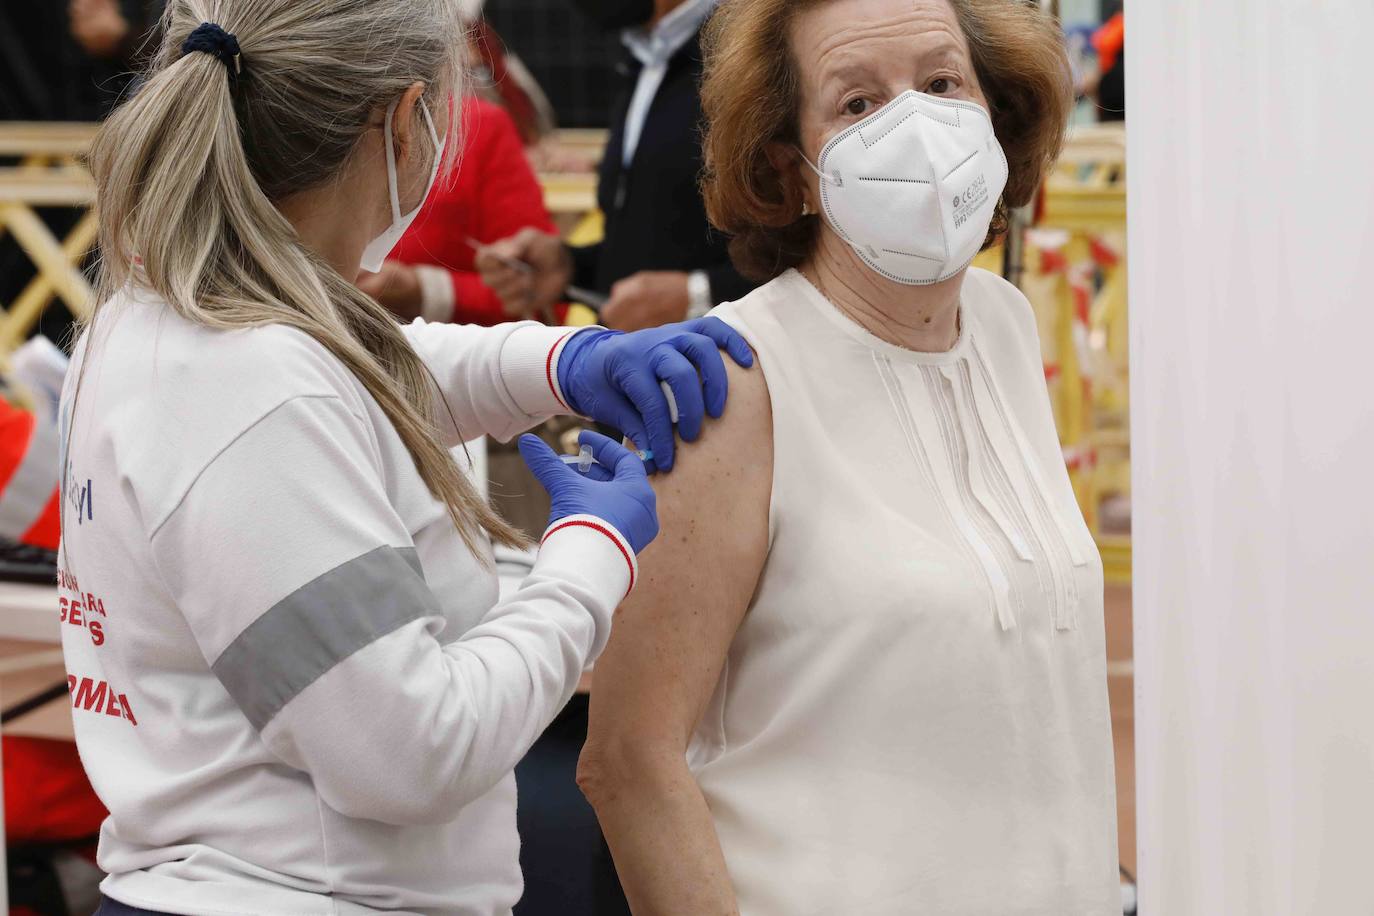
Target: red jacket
x=494 y=194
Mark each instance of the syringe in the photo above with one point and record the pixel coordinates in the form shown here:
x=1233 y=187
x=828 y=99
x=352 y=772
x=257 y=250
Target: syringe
x=583 y=460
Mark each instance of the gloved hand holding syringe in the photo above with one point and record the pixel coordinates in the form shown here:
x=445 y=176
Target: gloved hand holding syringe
x=584 y=461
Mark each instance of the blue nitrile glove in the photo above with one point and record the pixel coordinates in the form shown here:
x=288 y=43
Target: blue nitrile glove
x=613 y=377
x=615 y=489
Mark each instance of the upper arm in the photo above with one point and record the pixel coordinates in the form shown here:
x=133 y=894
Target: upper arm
x=670 y=637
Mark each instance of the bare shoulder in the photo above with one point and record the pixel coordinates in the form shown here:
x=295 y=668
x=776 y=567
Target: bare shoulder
x=731 y=464
x=713 y=506
x=672 y=633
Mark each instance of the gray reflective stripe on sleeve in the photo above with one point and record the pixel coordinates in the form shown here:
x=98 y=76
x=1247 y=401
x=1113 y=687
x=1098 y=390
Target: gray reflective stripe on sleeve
x=28 y=491
x=319 y=625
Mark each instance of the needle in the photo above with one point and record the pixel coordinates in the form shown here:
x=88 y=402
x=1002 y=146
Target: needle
x=591 y=299
x=513 y=264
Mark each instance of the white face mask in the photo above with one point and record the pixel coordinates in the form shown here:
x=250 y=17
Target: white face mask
x=374 y=255
x=912 y=187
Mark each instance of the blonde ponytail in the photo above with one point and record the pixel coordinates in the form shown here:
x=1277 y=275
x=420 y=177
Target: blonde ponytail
x=189 y=169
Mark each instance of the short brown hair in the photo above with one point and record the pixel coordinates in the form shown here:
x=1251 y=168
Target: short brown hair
x=750 y=97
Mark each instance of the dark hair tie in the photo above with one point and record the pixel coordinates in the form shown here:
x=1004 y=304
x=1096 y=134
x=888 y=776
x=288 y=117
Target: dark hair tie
x=211 y=39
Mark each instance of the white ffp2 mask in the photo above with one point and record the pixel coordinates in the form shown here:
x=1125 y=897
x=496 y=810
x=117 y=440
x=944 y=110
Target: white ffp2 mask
x=374 y=255
x=913 y=187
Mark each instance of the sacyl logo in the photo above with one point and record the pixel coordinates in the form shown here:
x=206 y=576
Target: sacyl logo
x=80 y=499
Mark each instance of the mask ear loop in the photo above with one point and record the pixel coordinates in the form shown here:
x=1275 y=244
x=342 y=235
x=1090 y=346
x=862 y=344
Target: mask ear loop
x=392 y=186
x=391 y=164
x=434 y=138
x=433 y=131
x=835 y=179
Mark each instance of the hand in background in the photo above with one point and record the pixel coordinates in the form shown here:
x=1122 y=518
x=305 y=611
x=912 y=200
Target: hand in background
x=646 y=300
x=551 y=156
x=532 y=291
x=98 y=26
x=397 y=287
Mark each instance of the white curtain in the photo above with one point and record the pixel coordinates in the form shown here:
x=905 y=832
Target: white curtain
x=1251 y=201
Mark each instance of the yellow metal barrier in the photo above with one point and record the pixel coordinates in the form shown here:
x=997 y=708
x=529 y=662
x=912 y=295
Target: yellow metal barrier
x=1074 y=273
x=1076 y=277
x=569 y=193
x=50 y=173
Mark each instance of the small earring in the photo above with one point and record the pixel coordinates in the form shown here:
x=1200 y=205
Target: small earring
x=806 y=209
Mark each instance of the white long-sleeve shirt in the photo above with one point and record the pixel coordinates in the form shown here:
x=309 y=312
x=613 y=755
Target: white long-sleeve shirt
x=293 y=685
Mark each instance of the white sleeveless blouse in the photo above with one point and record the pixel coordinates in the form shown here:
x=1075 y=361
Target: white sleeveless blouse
x=913 y=715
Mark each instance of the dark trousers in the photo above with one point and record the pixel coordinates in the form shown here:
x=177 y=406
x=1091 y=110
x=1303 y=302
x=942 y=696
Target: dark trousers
x=567 y=865
x=110 y=907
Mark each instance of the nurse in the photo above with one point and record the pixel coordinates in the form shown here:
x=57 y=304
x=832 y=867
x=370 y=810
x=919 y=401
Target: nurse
x=293 y=684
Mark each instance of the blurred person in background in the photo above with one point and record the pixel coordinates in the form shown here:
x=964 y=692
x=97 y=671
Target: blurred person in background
x=1107 y=86
x=112 y=30
x=63 y=61
x=1110 y=43
x=500 y=77
x=660 y=260
x=70 y=61
x=868 y=672
x=495 y=193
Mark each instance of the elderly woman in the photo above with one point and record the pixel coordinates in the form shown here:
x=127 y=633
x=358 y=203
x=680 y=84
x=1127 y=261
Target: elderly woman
x=865 y=673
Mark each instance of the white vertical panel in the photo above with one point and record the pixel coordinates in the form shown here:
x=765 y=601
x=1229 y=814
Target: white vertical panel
x=4 y=873
x=1252 y=263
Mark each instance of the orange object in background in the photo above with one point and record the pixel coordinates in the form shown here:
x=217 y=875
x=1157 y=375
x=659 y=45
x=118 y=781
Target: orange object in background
x=1109 y=40
x=28 y=479
x=47 y=796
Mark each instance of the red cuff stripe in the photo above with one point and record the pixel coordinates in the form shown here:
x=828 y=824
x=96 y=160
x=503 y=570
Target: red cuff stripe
x=548 y=369
x=604 y=530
